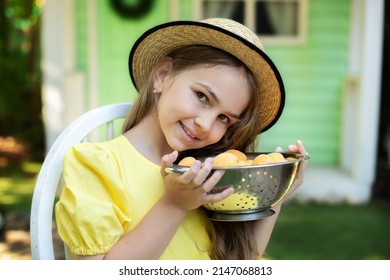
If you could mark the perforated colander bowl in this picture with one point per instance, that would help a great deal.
(256, 188)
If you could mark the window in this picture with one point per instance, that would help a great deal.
(276, 21)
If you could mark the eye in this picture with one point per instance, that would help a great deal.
(224, 118)
(202, 97)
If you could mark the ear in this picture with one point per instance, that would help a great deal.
(161, 74)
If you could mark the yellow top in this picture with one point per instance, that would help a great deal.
(109, 187)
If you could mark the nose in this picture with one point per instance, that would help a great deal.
(205, 122)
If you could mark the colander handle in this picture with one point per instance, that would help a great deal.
(176, 169)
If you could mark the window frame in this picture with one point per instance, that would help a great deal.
(250, 15)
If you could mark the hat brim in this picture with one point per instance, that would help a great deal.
(157, 42)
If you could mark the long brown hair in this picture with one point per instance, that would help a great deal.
(229, 240)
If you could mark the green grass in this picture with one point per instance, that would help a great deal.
(17, 186)
(303, 231)
(332, 232)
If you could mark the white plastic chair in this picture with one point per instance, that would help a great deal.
(50, 175)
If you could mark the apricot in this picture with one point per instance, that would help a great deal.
(187, 161)
(241, 162)
(240, 155)
(277, 157)
(262, 159)
(237, 158)
(225, 159)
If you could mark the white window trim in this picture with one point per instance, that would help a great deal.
(352, 181)
(249, 21)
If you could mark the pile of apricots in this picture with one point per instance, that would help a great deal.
(237, 158)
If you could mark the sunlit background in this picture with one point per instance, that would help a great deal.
(59, 59)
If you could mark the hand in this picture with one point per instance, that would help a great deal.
(298, 148)
(190, 190)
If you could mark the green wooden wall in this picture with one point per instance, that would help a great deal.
(313, 73)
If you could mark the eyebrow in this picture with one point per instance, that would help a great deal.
(215, 97)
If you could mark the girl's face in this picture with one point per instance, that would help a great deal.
(197, 106)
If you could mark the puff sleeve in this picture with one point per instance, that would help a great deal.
(93, 211)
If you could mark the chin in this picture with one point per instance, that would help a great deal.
(177, 146)
(180, 147)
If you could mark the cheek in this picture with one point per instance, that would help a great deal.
(217, 133)
(177, 100)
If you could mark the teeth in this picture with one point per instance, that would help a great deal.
(186, 131)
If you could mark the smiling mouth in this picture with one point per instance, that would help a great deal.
(187, 132)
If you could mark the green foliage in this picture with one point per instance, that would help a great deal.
(20, 75)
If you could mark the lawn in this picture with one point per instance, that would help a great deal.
(332, 232)
(17, 186)
(303, 232)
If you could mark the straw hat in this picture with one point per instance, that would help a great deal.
(224, 34)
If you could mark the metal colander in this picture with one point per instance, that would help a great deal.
(256, 188)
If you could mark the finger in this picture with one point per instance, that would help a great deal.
(167, 160)
(292, 148)
(216, 197)
(302, 167)
(204, 172)
(301, 148)
(191, 173)
(211, 181)
(297, 148)
(278, 149)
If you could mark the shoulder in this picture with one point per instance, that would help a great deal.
(95, 154)
(113, 146)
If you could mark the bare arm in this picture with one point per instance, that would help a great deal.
(152, 235)
(264, 228)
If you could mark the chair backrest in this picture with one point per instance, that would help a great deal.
(50, 175)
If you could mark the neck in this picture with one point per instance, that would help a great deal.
(148, 139)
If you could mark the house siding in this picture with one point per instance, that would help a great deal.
(116, 36)
(314, 75)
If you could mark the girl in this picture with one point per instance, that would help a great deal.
(204, 87)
